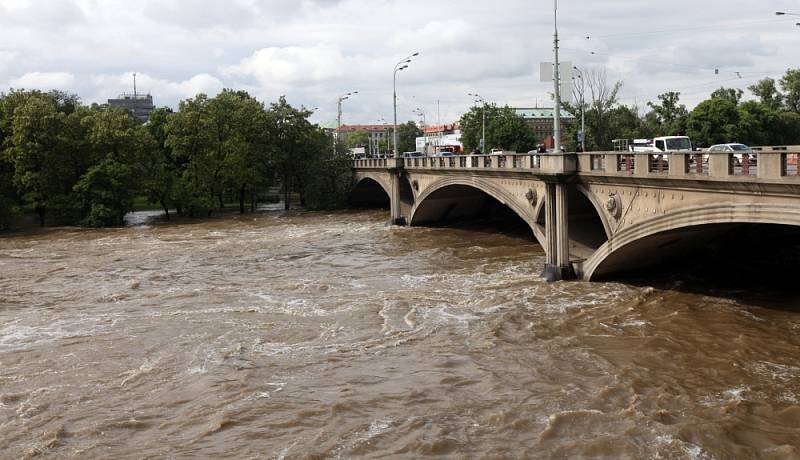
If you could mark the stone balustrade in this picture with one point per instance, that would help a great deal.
(770, 165)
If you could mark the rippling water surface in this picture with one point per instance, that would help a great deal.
(335, 336)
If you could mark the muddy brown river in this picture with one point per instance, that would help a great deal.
(332, 335)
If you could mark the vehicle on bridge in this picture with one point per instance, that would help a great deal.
(738, 151)
(655, 145)
(412, 154)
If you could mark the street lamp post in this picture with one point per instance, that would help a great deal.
(403, 64)
(420, 113)
(480, 99)
(556, 79)
(784, 13)
(583, 110)
(341, 98)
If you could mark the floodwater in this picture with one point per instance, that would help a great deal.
(313, 335)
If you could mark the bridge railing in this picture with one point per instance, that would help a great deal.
(764, 164)
(508, 162)
(773, 164)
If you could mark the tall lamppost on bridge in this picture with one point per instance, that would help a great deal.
(402, 65)
(784, 13)
(557, 80)
(419, 112)
(480, 99)
(583, 109)
(342, 97)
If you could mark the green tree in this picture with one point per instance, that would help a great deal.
(790, 83)
(714, 121)
(108, 187)
(668, 117)
(245, 147)
(407, 134)
(36, 144)
(625, 123)
(327, 178)
(160, 168)
(289, 129)
(730, 94)
(504, 129)
(766, 91)
(190, 138)
(356, 139)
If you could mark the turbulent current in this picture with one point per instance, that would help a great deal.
(314, 335)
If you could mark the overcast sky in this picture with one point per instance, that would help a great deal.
(314, 50)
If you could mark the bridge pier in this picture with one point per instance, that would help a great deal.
(396, 175)
(557, 264)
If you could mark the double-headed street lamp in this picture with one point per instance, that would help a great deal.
(480, 99)
(342, 97)
(402, 65)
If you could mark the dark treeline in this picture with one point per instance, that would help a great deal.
(773, 118)
(73, 164)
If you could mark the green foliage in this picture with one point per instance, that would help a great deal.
(713, 121)
(328, 179)
(407, 134)
(107, 191)
(356, 139)
(729, 94)
(790, 83)
(667, 117)
(504, 129)
(767, 93)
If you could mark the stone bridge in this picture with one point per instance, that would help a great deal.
(597, 213)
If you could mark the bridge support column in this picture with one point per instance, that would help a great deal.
(396, 175)
(557, 265)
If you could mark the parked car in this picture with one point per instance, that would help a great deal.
(738, 150)
(412, 154)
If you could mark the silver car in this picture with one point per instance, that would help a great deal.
(736, 149)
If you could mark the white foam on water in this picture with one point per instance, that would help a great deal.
(147, 367)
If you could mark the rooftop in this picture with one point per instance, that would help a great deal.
(540, 112)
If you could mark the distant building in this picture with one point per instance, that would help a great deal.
(541, 120)
(139, 105)
(377, 135)
(437, 136)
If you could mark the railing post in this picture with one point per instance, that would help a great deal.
(770, 164)
(719, 165)
(641, 165)
(678, 164)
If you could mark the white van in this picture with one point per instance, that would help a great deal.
(672, 144)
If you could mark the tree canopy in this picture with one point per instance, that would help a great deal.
(504, 129)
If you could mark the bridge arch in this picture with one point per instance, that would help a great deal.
(679, 231)
(367, 190)
(447, 196)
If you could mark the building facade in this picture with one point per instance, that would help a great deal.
(379, 136)
(540, 119)
(435, 137)
(139, 105)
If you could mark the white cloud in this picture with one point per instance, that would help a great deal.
(293, 65)
(44, 81)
